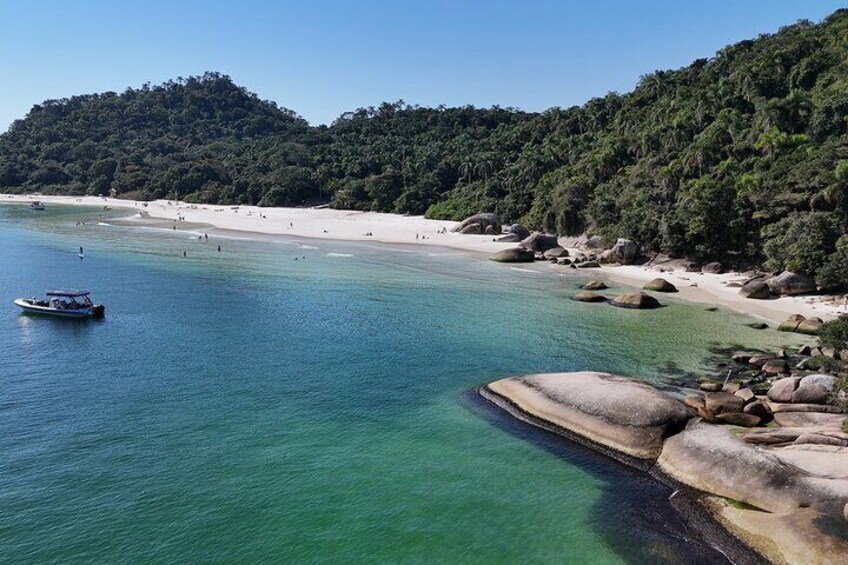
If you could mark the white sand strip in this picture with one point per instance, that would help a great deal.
(349, 225)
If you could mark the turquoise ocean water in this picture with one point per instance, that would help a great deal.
(244, 407)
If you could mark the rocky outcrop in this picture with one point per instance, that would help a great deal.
(660, 285)
(623, 252)
(759, 409)
(827, 381)
(775, 367)
(793, 480)
(789, 284)
(485, 223)
(799, 324)
(519, 231)
(713, 268)
(810, 393)
(712, 459)
(810, 326)
(636, 300)
(514, 255)
(742, 357)
(738, 419)
(622, 414)
(798, 419)
(804, 536)
(540, 242)
(555, 253)
(717, 403)
(783, 389)
(756, 289)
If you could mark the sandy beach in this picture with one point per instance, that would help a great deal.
(713, 289)
(347, 225)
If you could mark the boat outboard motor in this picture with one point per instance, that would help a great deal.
(98, 312)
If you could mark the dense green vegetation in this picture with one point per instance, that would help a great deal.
(741, 158)
(835, 333)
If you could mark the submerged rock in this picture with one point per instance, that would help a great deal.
(595, 285)
(514, 255)
(742, 357)
(616, 412)
(636, 300)
(710, 386)
(586, 296)
(760, 360)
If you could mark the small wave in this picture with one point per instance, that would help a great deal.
(307, 247)
(339, 254)
(103, 224)
(519, 269)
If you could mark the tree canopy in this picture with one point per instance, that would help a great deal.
(742, 157)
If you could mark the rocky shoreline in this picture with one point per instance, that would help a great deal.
(786, 500)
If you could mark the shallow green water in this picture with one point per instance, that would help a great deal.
(242, 406)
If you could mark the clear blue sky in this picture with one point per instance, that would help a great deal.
(321, 58)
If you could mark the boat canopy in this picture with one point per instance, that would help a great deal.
(69, 293)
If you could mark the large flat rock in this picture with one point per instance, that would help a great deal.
(800, 419)
(713, 459)
(815, 408)
(817, 460)
(803, 536)
(616, 412)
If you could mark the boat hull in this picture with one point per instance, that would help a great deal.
(79, 313)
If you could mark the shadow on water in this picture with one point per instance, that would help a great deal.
(649, 528)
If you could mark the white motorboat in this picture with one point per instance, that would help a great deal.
(63, 304)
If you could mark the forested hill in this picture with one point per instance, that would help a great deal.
(742, 157)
